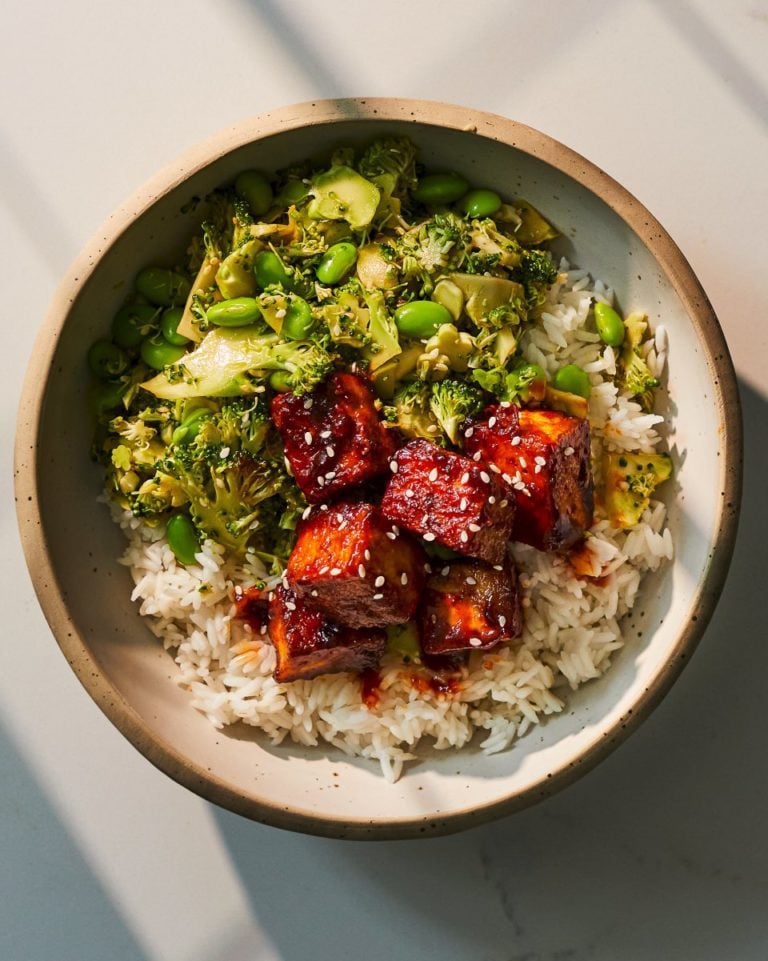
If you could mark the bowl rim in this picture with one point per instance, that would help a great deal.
(528, 140)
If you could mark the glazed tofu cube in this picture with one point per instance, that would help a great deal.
(469, 606)
(448, 498)
(307, 643)
(353, 564)
(333, 438)
(543, 458)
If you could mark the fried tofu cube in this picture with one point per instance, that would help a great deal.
(448, 498)
(307, 643)
(333, 438)
(469, 606)
(351, 563)
(543, 458)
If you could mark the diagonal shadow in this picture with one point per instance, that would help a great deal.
(697, 34)
(662, 848)
(51, 904)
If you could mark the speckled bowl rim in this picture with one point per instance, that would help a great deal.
(530, 141)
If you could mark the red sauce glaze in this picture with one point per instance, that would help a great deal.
(336, 430)
(439, 684)
(369, 688)
(252, 606)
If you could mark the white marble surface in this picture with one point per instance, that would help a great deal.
(661, 854)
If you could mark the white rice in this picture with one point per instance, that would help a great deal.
(572, 624)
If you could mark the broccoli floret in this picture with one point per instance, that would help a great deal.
(538, 272)
(523, 383)
(634, 376)
(410, 411)
(393, 157)
(452, 401)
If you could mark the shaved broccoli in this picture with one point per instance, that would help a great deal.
(634, 375)
(452, 402)
(523, 383)
(410, 411)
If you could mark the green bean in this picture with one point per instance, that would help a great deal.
(336, 263)
(106, 359)
(437, 189)
(183, 539)
(573, 380)
(421, 318)
(480, 203)
(298, 321)
(238, 312)
(106, 396)
(162, 287)
(280, 380)
(189, 428)
(254, 187)
(269, 269)
(132, 324)
(609, 325)
(157, 353)
(168, 324)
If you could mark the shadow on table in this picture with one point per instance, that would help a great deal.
(52, 906)
(662, 848)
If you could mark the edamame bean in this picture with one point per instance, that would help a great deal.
(336, 263)
(237, 312)
(157, 353)
(188, 429)
(298, 321)
(132, 323)
(169, 323)
(437, 189)
(293, 193)
(182, 538)
(269, 269)
(609, 325)
(106, 396)
(421, 318)
(280, 381)
(573, 380)
(480, 203)
(106, 359)
(254, 188)
(162, 287)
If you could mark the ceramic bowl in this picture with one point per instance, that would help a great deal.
(86, 596)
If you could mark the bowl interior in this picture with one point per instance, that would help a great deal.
(121, 663)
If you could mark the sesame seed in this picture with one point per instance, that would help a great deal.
(224, 452)
(474, 528)
(527, 492)
(523, 462)
(396, 529)
(391, 535)
(263, 629)
(502, 620)
(486, 478)
(270, 595)
(308, 437)
(290, 605)
(409, 493)
(367, 554)
(306, 513)
(428, 568)
(464, 537)
(504, 503)
(469, 431)
(324, 434)
(378, 597)
(330, 451)
(465, 477)
(339, 517)
(324, 569)
(380, 581)
(403, 578)
(433, 474)
(360, 570)
(506, 478)
(446, 570)
(491, 499)
(505, 404)
(516, 441)
(475, 642)
(477, 455)
(393, 466)
(463, 504)
(320, 481)
(428, 536)
(323, 507)
(495, 468)
(471, 580)
(537, 469)
(335, 571)
(569, 451)
(498, 567)
(492, 422)
(313, 593)
(541, 461)
(308, 403)
(330, 475)
(425, 520)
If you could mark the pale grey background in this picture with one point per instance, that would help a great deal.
(662, 852)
